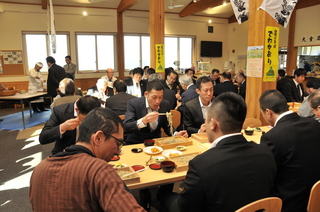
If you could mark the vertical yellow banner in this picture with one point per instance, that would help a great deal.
(159, 58)
(271, 51)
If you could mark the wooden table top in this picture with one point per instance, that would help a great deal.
(151, 177)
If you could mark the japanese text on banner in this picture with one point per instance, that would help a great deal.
(159, 58)
(271, 54)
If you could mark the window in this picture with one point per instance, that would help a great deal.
(95, 52)
(178, 49)
(38, 48)
(137, 51)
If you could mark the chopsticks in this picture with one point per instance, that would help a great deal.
(134, 172)
(162, 114)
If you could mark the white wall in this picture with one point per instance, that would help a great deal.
(18, 18)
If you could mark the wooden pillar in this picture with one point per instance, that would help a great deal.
(156, 28)
(120, 45)
(292, 51)
(258, 20)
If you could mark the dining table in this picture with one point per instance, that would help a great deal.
(150, 177)
(21, 99)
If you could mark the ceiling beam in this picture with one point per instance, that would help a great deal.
(307, 3)
(200, 6)
(44, 4)
(126, 4)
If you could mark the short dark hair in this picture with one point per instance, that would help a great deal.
(68, 75)
(313, 83)
(173, 72)
(68, 56)
(215, 71)
(314, 99)
(201, 80)
(242, 75)
(167, 71)
(273, 100)
(281, 72)
(120, 85)
(87, 103)
(137, 71)
(226, 75)
(151, 71)
(50, 60)
(189, 69)
(144, 68)
(230, 110)
(103, 119)
(299, 72)
(155, 84)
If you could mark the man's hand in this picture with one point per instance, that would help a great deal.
(182, 133)
(178, 97)
(150, 117)
(203, 128)
(70, 124)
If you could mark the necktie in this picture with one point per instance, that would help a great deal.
(299, 92)
(137, 85)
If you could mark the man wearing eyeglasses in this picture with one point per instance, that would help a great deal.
(314, 102)
(80, 178)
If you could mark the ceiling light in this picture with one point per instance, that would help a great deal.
(194, 1)
(224, 3)
(210, 21)
(85, 13)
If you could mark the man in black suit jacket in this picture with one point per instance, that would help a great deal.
(282, 80)
(225, 85)
(55, 75)
(63, 122)
(136, 86)
(194, 112)
(168, 94)
(215, 76)
(118, 102)
(101, 90)
(142, 120)
(241, 80)
(225, 177)
(294, 141)
(171, 81)
(293, 90)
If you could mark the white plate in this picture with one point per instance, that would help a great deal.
(148, 150)
(182, 148)
(166, 153)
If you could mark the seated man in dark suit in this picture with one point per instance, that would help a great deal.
(282, 80)
(64, 121)
(241, 80)
(225, 85)
(171, 82)
(195, 110)
(101, 90)
(225, 177)
(136, 86)
(294, 141)
(215, 76)
(168, 94)
(142, 120)
(293, 90)
(118, 102)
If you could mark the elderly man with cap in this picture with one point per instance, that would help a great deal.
(35, 84)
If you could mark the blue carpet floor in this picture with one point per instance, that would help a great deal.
(14, 121)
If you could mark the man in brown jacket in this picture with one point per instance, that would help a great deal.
(80, 178)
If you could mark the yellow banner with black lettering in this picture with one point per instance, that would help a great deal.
(271, 51)
(159, 58)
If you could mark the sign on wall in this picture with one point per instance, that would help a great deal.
(271, 52)
(159, 58)
(254, 61)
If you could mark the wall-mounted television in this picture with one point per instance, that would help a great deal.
(211, 49)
